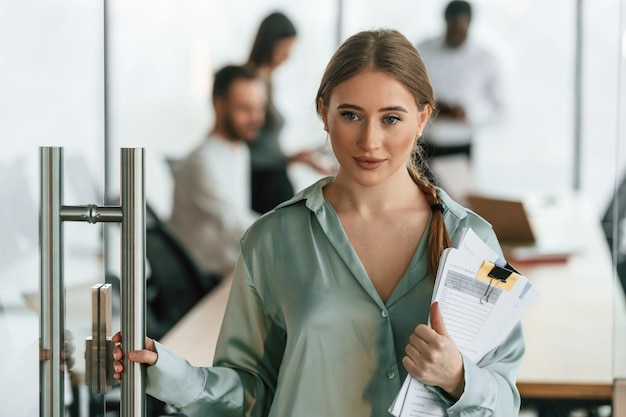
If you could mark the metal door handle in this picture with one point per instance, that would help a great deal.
(98, 347)
(131, 215)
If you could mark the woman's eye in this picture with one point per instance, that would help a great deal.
(350, 116)
(391, 120)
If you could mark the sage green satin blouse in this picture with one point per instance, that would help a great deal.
(306, 334)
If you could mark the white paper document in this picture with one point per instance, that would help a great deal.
(480, 301)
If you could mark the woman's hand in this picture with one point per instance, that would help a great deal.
(433, 358)
(67, 353)
(148, 355)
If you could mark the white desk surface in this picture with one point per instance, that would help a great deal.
(569, 330)
(19, 323)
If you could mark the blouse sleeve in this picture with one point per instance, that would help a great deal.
(243, 378)
(490, 385)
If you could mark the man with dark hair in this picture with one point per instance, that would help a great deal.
(458, 15)
(211, 208)
(466, 81)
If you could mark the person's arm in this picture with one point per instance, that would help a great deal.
(490, 388)
(247, 358)
(313, 159)
(252, 340)
(491, 107)
(173, 380)
(451, 111)
(243, 378)
(195, 391)
(468, 389)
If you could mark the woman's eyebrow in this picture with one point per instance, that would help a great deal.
(383, 109)
(349, 106)
(394, 108)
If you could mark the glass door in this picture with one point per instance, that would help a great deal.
(52, 95)
(93, 80)
(616, 232)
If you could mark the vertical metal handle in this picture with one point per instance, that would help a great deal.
(51, 287)
(133, 299)
(99, 347)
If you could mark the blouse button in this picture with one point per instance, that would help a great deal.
(384, 313)
(391, 374)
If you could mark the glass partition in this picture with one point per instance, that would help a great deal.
(561, 147)
(52, 95)
(553, 150)
(617, 228)
(169, 111)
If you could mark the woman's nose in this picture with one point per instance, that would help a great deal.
(370, 137)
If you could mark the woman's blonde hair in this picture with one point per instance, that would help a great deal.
(391, 52)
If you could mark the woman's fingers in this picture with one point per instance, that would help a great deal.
(148, 355)
(117, 337)
(118, 355)
(143, 356)
(138, 356)
(118, 368)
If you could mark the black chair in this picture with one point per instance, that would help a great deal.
(175, 283)
(614, 224)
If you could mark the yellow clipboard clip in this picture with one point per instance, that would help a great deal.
(496, 276)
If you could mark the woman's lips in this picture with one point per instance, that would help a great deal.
(368, 162)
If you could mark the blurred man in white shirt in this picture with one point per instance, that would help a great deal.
(467, 84)
(466, 80)
(211, 208)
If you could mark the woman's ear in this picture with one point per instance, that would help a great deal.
(422, 119)
(323, 113)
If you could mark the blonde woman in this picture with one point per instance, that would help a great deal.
(331, 295)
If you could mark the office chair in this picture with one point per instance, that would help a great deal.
(175, 283)
(616, 233)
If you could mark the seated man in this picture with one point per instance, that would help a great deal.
(211, 205)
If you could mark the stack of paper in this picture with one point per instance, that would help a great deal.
(481, 299)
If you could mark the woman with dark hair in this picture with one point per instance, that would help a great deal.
(272, 44)
(332, 291)
(270, 180)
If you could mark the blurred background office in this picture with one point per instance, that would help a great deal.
(95, 76)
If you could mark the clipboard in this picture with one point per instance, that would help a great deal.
(492, 274)
(485, 302)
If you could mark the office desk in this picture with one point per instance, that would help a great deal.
(19, 326)
(569, 330)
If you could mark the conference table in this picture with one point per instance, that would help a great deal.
(576, 331)
(571, 330)
(19, 322)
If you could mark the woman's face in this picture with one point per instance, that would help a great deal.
(373, 122)
(281, 52)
